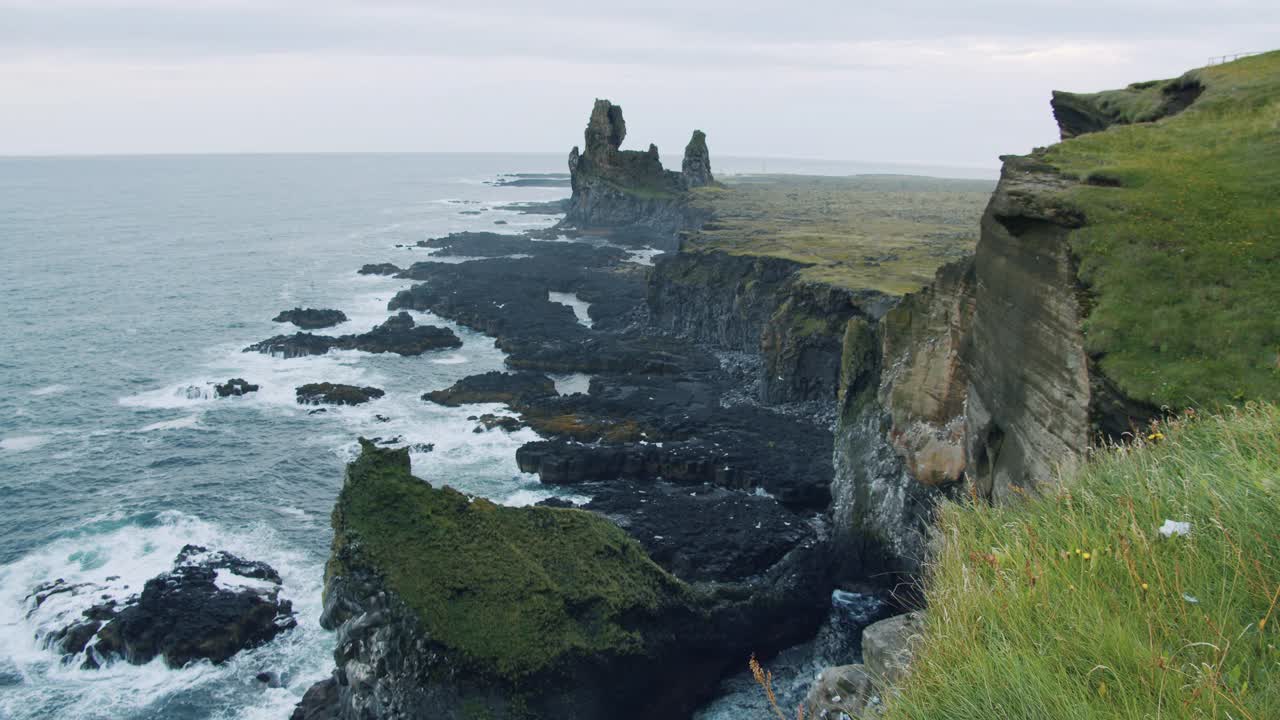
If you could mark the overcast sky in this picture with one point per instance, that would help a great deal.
(913, 81)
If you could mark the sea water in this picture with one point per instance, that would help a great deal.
(128, 285)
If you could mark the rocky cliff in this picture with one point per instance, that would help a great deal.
(629, 189)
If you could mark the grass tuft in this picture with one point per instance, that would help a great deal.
(1074, 606)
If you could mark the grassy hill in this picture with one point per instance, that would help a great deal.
(1074, 606)
(1182, 245)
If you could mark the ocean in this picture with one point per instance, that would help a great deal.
(129, 285)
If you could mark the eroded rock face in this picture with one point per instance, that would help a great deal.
(1028, 407)
(210, 606)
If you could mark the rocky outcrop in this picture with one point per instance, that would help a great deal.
(445, 606)
(311, 318)
(399, 335)
(209, 606)
(615, 188)
(336, 394)
(380, 269)
(234, 387)
(1079, 114)
(515, 389)
(696, 166)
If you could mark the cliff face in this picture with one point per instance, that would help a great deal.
(615, 188)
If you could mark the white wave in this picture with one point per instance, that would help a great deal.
(23, 443)
(454, 359)
(577, 304)
(50, 390)
(116, 558)
(186, 423)
(570, 383)
(643, 256)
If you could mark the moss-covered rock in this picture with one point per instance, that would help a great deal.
(513, 591)
(448, 606)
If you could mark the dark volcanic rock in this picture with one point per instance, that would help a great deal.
(336, 394)
(183, 615)
(495, 387)
(380, 269)
(399, 334)
(479, 244)
(311, 318)
(234, 387)
(489, 421)
(293, 346)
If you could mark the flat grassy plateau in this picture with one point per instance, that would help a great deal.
(877, 232)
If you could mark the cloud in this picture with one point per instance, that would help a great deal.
(910, 80)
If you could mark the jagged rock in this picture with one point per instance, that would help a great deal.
(514, 389)
(311, 318)
(696, 167)
(380, 269)
(399, 334)
(209, 606)
(320, 702)
(234, 388)
(625, 188)
(336, 394)
(857, 691)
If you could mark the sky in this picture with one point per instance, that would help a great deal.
(933, 82)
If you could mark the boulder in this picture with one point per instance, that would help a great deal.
(888, 645)
(845, 691)
(336, 394)
(311, 318)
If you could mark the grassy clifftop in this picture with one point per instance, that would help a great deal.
(514, 591)
(877, 232)
(1074, 605)
(1182, 243)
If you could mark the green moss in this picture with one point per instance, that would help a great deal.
(514, 591)
(1183, 258)
(877, 232)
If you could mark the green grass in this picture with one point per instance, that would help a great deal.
(1184, 258)
(1023, 626)
(514, 591)
(878, 232)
